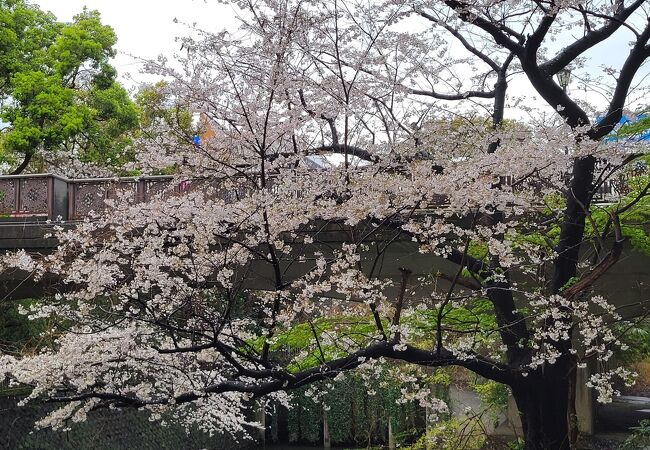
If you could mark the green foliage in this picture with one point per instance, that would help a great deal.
(638, 237)
(570, 282)
(492, 394)
(640, 438)
(309, 344)
(477, 250)
(634, 128)
(300, 340)
(160, 112)
(108, 135)
(17, 332)
(354, 416)
(59, 90)
(24, 30)
(634, 220)
(158, 106)
(441, 377)
(475, 314)
(554, 202)
(305, 419)
(519, 444)
(452, 434)
(637, 338)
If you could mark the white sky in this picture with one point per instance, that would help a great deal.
(146, 28)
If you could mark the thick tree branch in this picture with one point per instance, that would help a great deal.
(459, 96)
(23, 165)
(500, 37)
(589, 40)
(612, 257)
(637, 56)
(343, 149)
(279, 380)
(534, 41)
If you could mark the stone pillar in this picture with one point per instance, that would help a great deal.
(260, 417)
(327, 442)
(391, 438)
(514, 420)
(585, 404)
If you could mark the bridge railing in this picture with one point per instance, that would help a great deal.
(48, 196)
(40, 196)
(86, 195)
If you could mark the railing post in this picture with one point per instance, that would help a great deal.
(260, 412)
(17, 184)
(58, 205)
(141, 191)
(50, 199)
(72, 195)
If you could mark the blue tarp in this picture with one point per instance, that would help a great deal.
(643, 136)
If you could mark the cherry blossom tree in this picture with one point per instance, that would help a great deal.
(434, 238)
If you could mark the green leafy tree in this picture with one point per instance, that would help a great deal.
(167, 120)
(59, 90)
(161, 111)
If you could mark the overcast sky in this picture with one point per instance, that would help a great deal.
(145, 28)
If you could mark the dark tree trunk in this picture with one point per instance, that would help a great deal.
(23, 165)
(543, 405)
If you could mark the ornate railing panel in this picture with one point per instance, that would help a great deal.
(127, 190)
(38, 196)
(34, 196)
(158, 188)
(8, 199)
(90, 195)
(86, 198)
